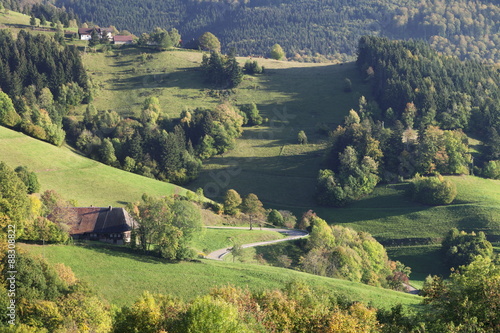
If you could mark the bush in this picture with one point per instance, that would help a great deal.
(251, 113)
(492, 170)
(302, 138)
(460, 248)
(252, 67)
(275, 218)
(432, 191)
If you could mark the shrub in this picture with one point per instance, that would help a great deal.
(460, 248)
(492, 170)
(432, 191)
(252, 67)
(302, 138)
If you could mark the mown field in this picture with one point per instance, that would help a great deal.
(214, 239)
(120, 276)
(77, 177)
(424, 260)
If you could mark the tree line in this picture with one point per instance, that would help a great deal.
(421, 88)
(155, 146)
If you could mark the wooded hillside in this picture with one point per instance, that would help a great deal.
(468, 29)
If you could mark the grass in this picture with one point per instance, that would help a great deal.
(77, 177)
(391, 216)
(424, 260)
(214, 239)
(121, 276)
(17, 21)
(267, 160)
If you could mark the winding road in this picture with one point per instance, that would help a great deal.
(291, 235)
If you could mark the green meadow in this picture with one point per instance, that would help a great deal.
(17, 21)
(121, 276)
(77, 177)
(424, 260)
(214, 239)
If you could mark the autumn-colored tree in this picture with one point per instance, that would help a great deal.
(232, 202)
(469, 298)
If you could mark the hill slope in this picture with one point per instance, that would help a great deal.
(112, 267)
(76, 177)
(390, 216)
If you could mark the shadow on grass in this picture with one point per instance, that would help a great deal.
(124, 252)
(177, 79)
(278, 254)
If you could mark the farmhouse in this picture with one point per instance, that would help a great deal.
(86, 33)
(120, 40)
(111, 225)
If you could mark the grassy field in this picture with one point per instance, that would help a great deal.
(16, 21)
(214, 239)
(121, 276)
(388, 214)
(77, 177)
(424, 260)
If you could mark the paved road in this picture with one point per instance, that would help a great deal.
(291, 234)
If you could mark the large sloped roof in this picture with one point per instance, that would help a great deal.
(102, 220)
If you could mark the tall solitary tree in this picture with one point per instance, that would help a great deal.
(253, 207)
(94, 38)
(209, 42)
(33, 20)
(277, 52)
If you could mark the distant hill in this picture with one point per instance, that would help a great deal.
(468, 29)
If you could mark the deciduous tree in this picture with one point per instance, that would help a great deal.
(253, 207)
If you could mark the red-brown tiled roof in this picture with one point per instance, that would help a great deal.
(123, 38)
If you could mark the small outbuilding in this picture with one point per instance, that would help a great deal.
(111, 225)
(120, 40)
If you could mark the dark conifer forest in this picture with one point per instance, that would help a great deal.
(308, 29)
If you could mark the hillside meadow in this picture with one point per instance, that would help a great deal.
(267, 159)
(17, 21)
(214, 239)
(76, 177)
(388, 214)
(120, 276)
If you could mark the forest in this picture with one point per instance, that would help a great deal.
(427, 104)
(40, 78)
(464, 28)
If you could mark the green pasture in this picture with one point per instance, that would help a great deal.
(77, 177)
(121, 276)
